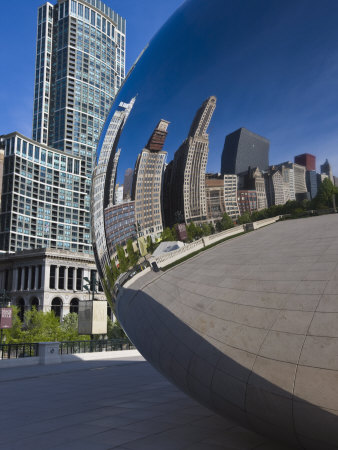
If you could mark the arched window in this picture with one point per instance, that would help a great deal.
(74, 306)
(21, 306)
(35, 303)
(57, 306)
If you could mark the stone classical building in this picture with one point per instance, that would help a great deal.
(187, 172)
(147, 183)
(243, 149)
(48, 279)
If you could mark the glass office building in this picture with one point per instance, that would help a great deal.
(80, 65)
(45, 198)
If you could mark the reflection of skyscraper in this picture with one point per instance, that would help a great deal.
(306, 160)
(147, 183)
(253, 179)
(326, 170)
(274, 185)
(187, 184)
(243, 149)
(103, 180)
(127, 184)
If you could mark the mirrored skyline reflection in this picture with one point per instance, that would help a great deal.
(271, 65)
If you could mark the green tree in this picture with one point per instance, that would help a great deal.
(168, 234)
(123, 260)
(244, 218)
(192, 231)
(325, 194)
(132, 255)
(69, 329)
(226, 222)
(114, 330)
(206, 228)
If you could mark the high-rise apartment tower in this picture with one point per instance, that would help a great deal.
(80, 65)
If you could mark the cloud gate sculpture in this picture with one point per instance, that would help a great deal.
(249, 327)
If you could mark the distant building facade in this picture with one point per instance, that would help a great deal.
(274, 185)
(325, 169)
(127, 184)
(253, 179)
(187, 172)
(244, 149)
(230, 196)
(214, 190)
(294, 176)
(247, 201)
(120, 225)
(307, 160)
(312, 183)
(147, 184)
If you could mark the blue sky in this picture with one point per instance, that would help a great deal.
(272, 64)
(17, 50)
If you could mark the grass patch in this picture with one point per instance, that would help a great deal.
(191, 255)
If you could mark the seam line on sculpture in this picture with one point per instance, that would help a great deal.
(296, 371)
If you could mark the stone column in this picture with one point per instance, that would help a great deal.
(57, 277)
(45, 276)
(23, 276)
(74, 278)
(15, 279)
(29, 278)
(66, 278)
(36, 281)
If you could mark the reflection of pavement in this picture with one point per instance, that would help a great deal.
(122, 404)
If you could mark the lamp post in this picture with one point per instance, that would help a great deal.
(91, 288)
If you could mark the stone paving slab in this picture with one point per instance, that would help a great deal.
(110, 404)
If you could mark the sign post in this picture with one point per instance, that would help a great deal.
(6, 313)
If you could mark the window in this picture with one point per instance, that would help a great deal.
(57, 306)
(86, 13)
(73, 6)
(37, 154)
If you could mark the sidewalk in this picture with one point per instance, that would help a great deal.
(109, 404)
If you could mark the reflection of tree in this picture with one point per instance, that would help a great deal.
(179, 217)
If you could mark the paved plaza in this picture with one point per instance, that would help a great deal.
(249, 328)
(109, 404)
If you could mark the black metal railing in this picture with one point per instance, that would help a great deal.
(107, 345)
(22, 350)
